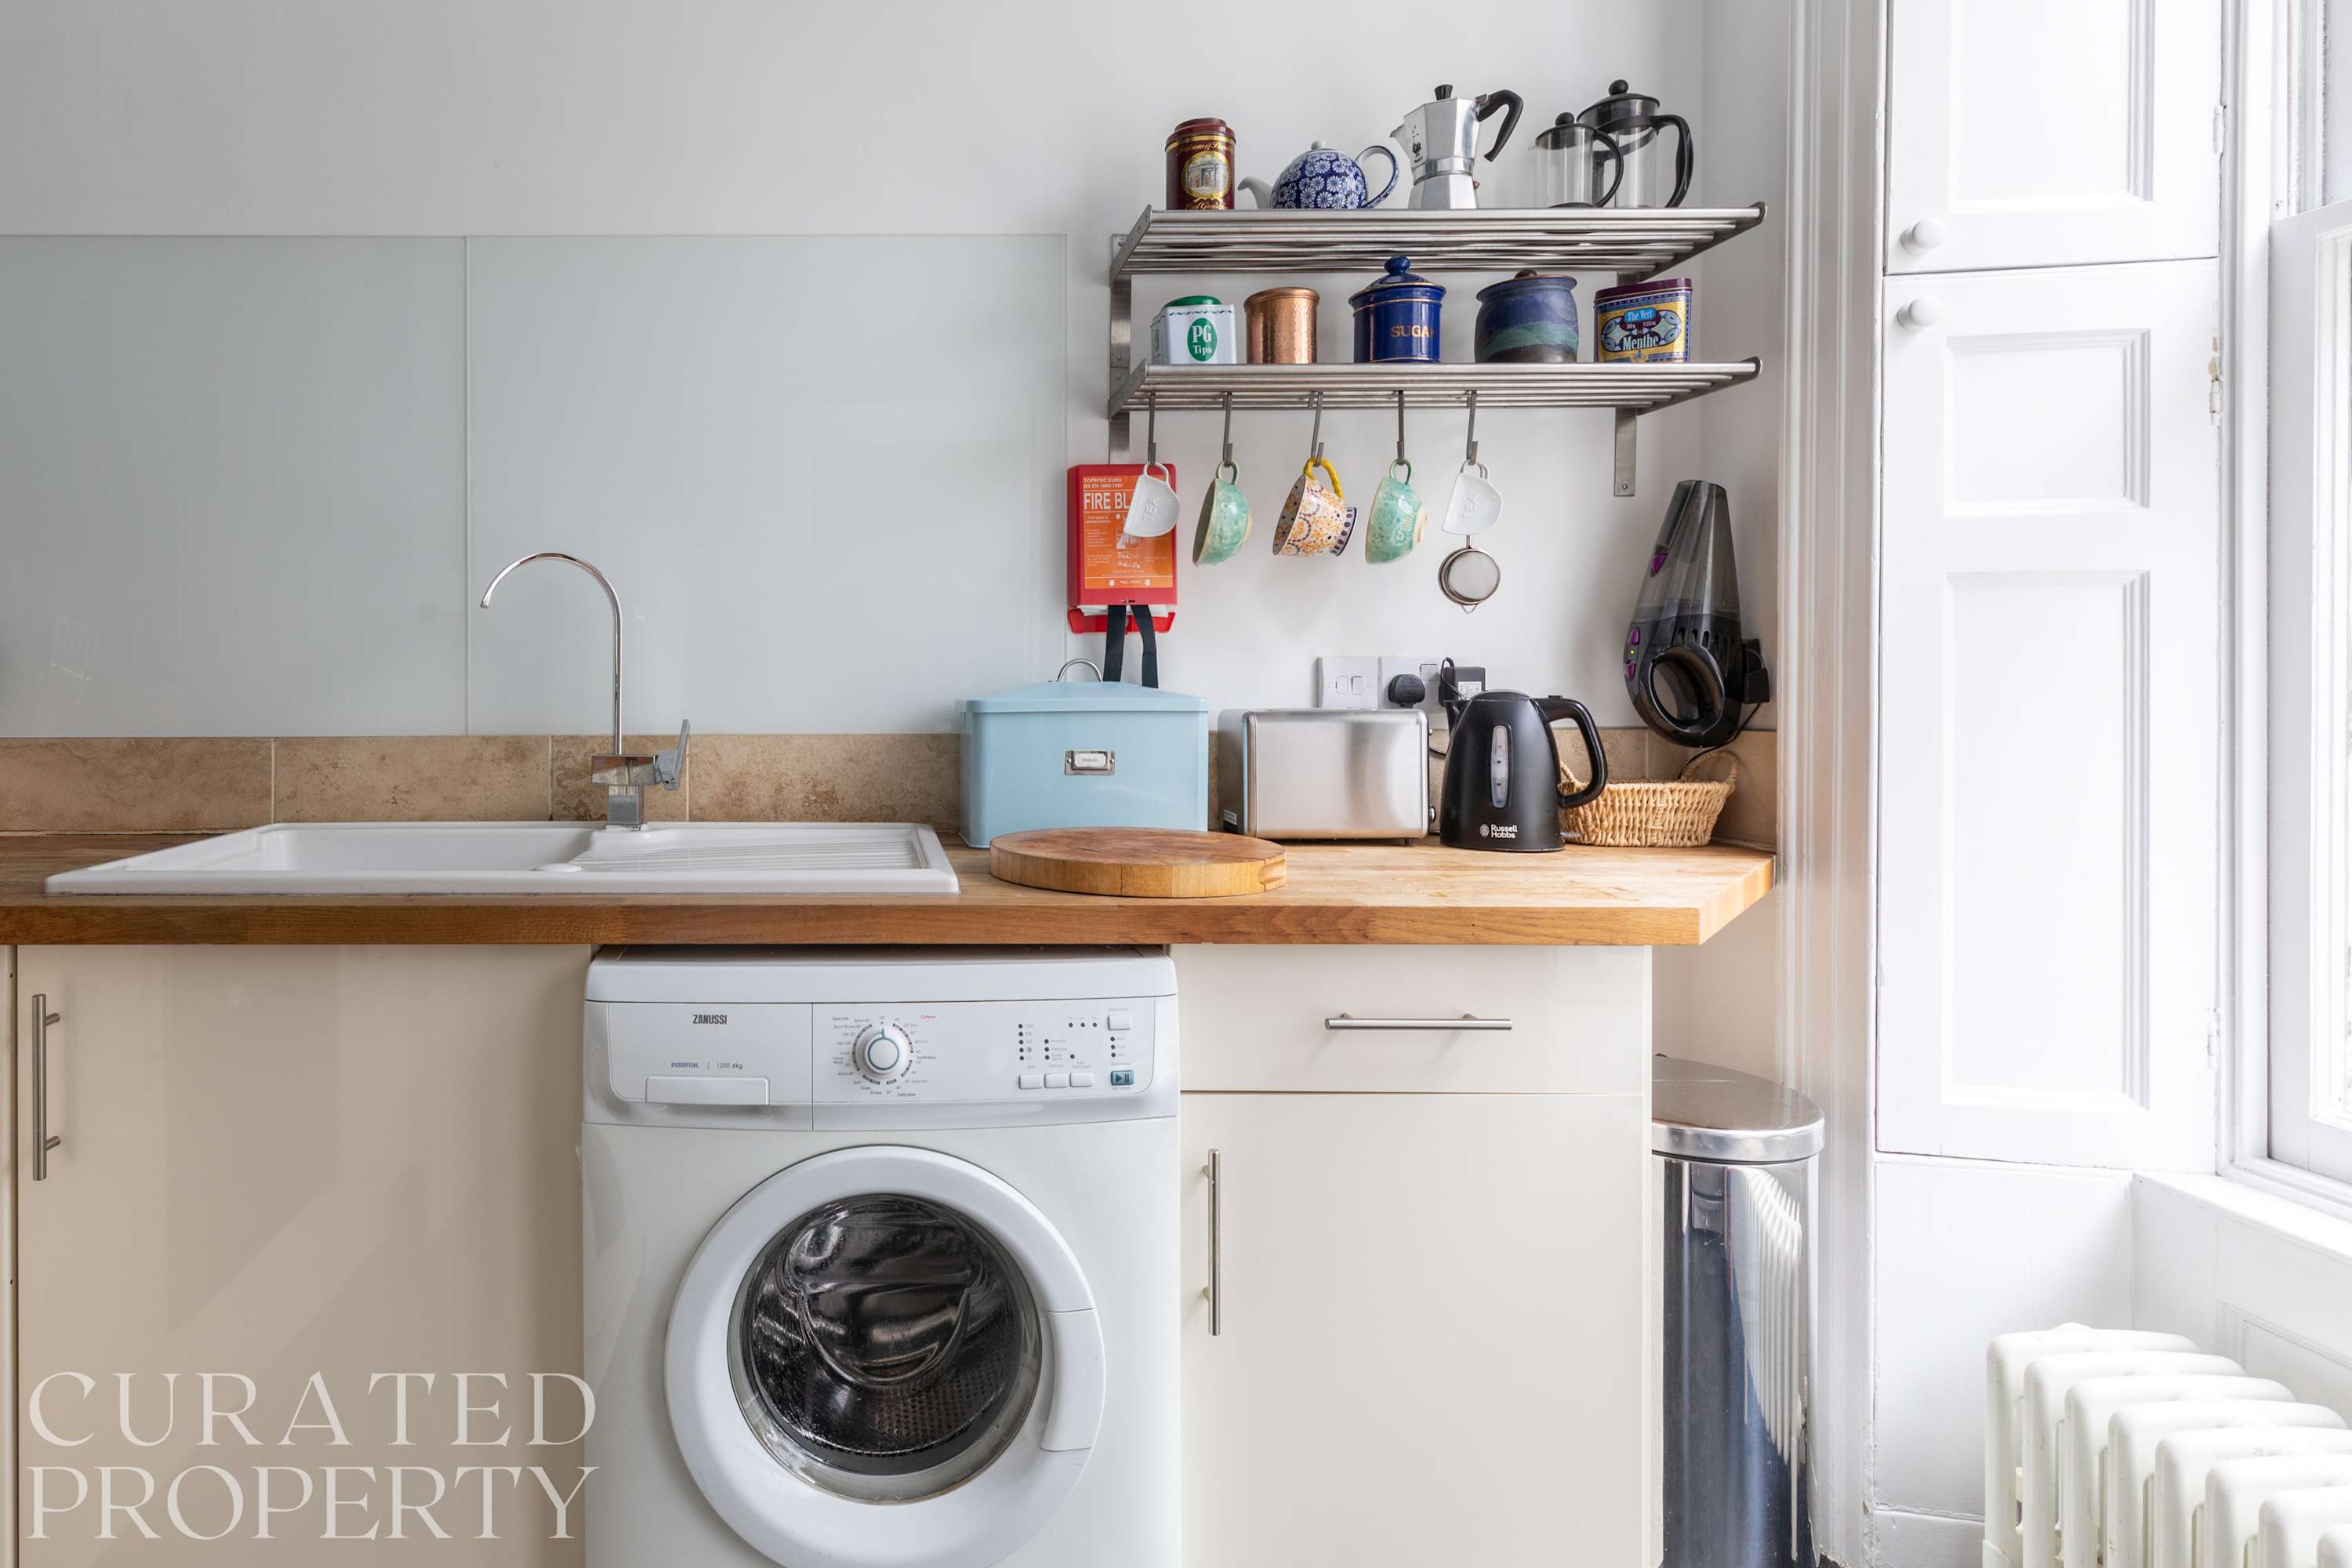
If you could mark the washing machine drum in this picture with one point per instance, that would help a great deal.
(886, 1338)
(885, 1356)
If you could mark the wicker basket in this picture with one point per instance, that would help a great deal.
(1670, 814)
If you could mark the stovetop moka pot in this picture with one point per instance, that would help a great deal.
(1502, 771)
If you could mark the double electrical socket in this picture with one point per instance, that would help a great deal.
(1348, 681)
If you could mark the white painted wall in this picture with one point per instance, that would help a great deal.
(2247, 1275)
(1967, 1249)
(230, 117)
(1715, 1003)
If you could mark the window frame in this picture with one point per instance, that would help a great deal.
(2275, 83)
(2310, 696)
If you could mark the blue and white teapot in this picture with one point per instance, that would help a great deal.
(1325, 177)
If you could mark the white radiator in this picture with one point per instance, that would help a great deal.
(2006, 1360)
(2086, 1468)
(2182, 1523)
(2048, 1382)
(2239, 1490)
(2121, 1449)
(2134, 1436)
(2295, 1522)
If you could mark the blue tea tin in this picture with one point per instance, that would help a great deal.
(1396, 316)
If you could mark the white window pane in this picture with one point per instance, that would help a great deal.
(2311, 716)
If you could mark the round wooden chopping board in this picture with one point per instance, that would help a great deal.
(1138, 862)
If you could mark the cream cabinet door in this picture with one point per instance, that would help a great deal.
(277, 1162)
(2021, 134)
(2049, 717)
(1431, 1335)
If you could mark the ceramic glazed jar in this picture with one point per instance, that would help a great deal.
(1528, 319)
(1396, 316)
(1200, 166)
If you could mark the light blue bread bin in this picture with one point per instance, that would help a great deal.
(1083, 754)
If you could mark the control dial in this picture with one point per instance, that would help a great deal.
(882, 1052)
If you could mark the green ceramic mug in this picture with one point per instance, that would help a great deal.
(1397, 517)
(1225, 518)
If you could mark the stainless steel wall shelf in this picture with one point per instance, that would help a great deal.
(1634, 388)
(1637, 242)
(1633, 244)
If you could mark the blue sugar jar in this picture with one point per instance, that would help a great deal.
(1396, 316)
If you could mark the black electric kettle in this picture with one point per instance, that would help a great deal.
(1502, 771)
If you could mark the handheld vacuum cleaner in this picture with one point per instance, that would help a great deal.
(1687, 669)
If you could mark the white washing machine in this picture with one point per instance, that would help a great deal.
(881, 1257)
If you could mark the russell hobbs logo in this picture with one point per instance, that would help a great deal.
(1499, 829)
(711, 1017)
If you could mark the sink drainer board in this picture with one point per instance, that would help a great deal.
(537, 857)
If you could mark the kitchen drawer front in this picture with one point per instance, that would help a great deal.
(1254, 1018)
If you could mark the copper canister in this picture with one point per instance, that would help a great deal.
(1278, 326)
(1201, 165)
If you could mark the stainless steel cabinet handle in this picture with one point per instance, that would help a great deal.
(42, 1140)
(1468, 1021)
(1216, 1290)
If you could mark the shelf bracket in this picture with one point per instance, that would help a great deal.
(1623, 445)
(1122, 347)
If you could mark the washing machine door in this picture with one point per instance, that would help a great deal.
(884, 1358)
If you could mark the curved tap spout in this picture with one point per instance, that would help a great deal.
(602, 581)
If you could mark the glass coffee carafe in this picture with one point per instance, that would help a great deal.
(1577, 165)
(1632, 123)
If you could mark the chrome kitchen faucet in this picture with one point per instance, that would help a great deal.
(624, 776)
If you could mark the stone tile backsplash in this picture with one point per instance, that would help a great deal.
(411, 778)
(202, 783)
(169, 785)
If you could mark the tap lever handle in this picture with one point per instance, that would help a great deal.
(670, 766)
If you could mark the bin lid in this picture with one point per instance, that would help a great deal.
(1085, 697)
(1701, 1112)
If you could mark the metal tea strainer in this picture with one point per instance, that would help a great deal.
(1469, 576)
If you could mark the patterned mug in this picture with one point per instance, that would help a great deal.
(1315, 520)
(1224, 524)
(1398, 519)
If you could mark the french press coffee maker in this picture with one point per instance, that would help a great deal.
(1635, 137)
(1577, 165)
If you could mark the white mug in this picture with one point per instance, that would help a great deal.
(1475, 505)
(1151, 511)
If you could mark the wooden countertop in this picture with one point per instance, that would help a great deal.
(1337, 893)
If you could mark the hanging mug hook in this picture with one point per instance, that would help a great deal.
(1315, 440)
(1400, 457)
(1225, 458)
(1152, 431)
(1470, 440)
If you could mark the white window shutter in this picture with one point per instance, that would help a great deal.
(2029, 134)
(2050, 716)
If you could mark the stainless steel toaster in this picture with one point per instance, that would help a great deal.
(1324, 772)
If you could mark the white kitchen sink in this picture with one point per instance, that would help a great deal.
(537, 857)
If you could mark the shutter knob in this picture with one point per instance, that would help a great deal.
(1924, 236)
(1923, 312)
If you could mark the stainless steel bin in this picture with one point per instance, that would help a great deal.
(1736, 1176)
